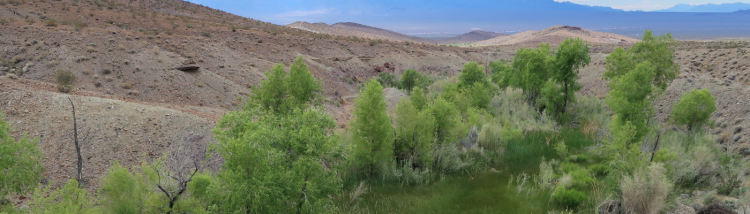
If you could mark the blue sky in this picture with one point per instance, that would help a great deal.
(647, 5)
(451, 16)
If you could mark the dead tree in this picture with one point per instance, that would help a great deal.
(78, 145)
(174, 173)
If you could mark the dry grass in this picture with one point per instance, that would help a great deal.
(646, 192)
(126, 85)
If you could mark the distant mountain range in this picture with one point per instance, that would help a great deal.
(471, 37)
(708, 8)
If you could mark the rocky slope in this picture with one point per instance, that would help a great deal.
(350, 29)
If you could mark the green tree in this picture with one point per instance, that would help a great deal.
(20, 162)
(121, 192)
(658, 50)
(529, 71)
(412, 78)
(479, 95)
(571, 56)
(282, 92)
(371, 128)
(628, 98)
(67, 200)
(389, 80)
(694, 109)
(418, 99)
(499, 70)
(472, 73)
(446, 119)
(415, 135)
(275, 163)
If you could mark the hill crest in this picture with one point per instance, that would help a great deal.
(556, 34)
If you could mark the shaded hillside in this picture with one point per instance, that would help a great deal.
(349, 29)
(474, 36)
(557, 34)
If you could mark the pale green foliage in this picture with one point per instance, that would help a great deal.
(68, 200)
(198, 187)
(121, 192)
(472, 73)
(491, 136)
(282, 92)
(570, 57)
(658, 50)
(554, 98)
(415, 135)
(628, 98)
(646, 191)
(371, 128)
(697, 164)
(274, 163)
(513, 112)
(623, 156)
(20, 162)
(694, 109)
(418, 99)
(561, 149)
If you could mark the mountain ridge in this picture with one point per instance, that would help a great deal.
(708, 8)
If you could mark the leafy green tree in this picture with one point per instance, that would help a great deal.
(275, 163)
(282, 92)
(413, 78)
(302, 85)
(499, 70)
(418, 99)
(628, 98)
(472, 73)
(20, 162)
(530, 71)
(694, 109)
(446, 119)
(415, 135)
(389, 80)
(121, 192)
(658, 50)
(371, 128)
(479, 95)
(571, 56)
(67, 200)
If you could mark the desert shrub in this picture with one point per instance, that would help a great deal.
(491, 136)
(126, 85)
(389, 80)
(568, 199)
(51, 23)
(65, 80)
(698, 164)
(63, 200)
(646, 191)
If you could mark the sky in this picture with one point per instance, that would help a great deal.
(447, 16)
(647, 5)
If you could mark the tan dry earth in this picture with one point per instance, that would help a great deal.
(557, 34)
(350, 29)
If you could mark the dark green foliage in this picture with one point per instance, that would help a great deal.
(599, 170)
(389, 80)
(413, 78)
(569, 199)
(530, 71)
(20, 162)
(571, 56)
(371, 128)
(694, 109)
(658, 50)
(282, 92)
(479, 95)
(499, 70)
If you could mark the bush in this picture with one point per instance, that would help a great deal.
(389, 80)
(126, 85)
(51, 23)
(646, 191)
(568, 199)
(65, 80)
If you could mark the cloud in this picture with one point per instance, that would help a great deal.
(306, 13)
(644, 5)
(475, 28)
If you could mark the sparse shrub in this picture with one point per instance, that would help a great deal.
(12, 76)
(206, 34)
(52, 63)
(388, 80)
(51, 23)
(126, 85)
(17, 58)
(646, 191)
(65, 80)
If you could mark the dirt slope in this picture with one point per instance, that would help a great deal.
(471, 37)
(556, 34)
(350, 29)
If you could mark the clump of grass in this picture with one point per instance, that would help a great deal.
(51, 23)
(126, 85)
(65, 80)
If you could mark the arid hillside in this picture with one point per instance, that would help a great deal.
(471, 37)
(350, 29)
(557, 34)
(130, 96)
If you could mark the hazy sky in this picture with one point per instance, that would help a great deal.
(648, 5)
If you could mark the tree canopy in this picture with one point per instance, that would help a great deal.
(282, 92)
(20, 162)
(694, 109)
(371, 128)
(658, 50)
(628, 98)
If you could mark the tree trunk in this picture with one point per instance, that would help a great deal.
(656, 144)
(78, 146)
(565, 104)
(303, 197)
